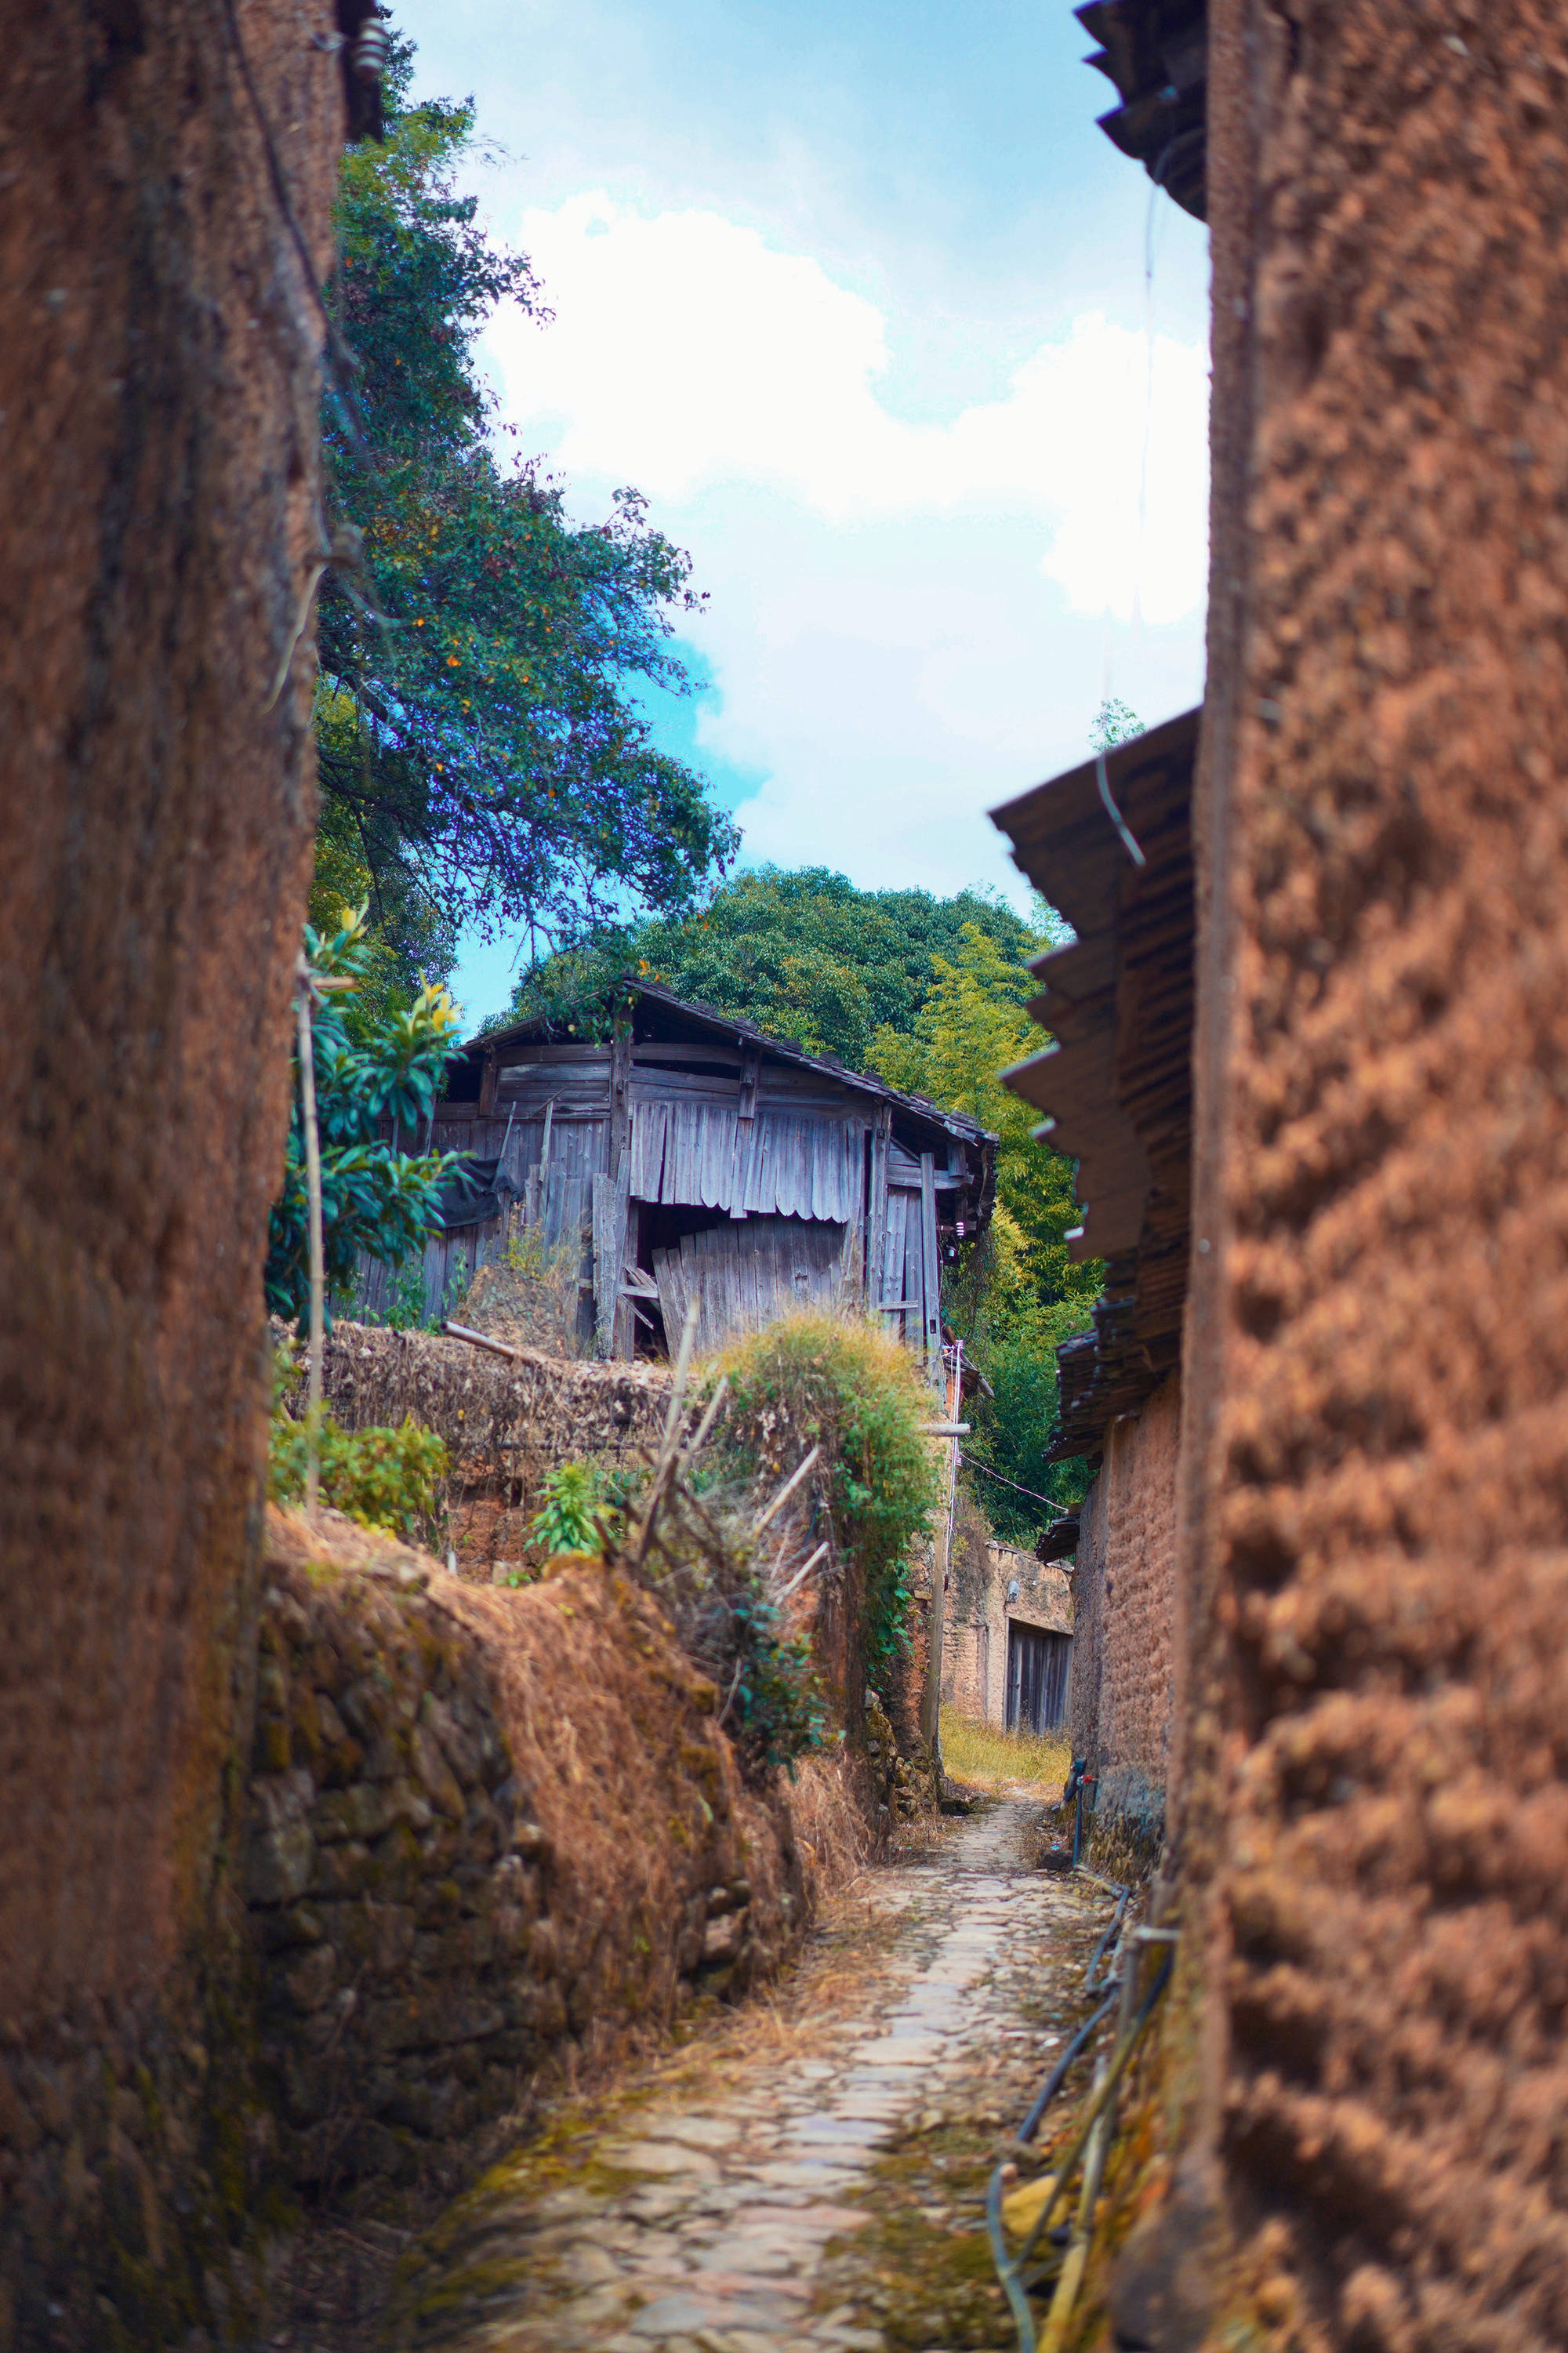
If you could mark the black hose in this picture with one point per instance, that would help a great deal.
(1055, 2080)
(1090, 1975)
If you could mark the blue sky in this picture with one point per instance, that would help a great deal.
(859, 304)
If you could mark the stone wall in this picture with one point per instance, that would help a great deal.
(1121, 1706)
(996, 1585)
(487, 1833)
(506, 1423)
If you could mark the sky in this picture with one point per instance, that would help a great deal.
(903, 353)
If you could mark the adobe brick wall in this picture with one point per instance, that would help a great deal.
(1374, 1817)
(1121, 1696)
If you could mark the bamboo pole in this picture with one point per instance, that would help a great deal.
(304, 999)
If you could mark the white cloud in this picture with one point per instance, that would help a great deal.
(687, 355)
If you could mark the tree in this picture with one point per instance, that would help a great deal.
(483, 751)
(375, 1197)
(805, 956)
(1016, 1294)
(1114, 722)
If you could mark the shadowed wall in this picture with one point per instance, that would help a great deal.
(1373, 1819)
(159, 384)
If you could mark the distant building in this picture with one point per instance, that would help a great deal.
(1009, 1645)
(1117, 1088)
(694, 1158)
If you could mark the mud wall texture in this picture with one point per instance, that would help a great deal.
(1120, 1704)
(1375, 1817)
(160, 385)
(487, 1833)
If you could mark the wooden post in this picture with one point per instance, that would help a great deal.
(856, 1286)
(876, 1210)
(620, 1129)
(489, 1079)
(931, 1700)
(931, 1269)
(610, 1204)
(625, 1311)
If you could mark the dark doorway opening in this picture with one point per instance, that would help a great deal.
(1037, 1678)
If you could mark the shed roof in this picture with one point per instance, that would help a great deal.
(1156, 54)
(1116, 1084)
(659, 1011)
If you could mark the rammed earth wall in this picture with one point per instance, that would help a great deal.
(1373, 1823)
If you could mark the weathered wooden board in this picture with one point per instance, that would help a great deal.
(931, 1271)
(741, 1276)
(706, 1156)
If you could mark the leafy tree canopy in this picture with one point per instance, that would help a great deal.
(1016, 1293)
(805, 956)
(483, 757)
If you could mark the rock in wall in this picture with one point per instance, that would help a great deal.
(487, 1833)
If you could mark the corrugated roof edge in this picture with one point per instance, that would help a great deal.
(789, 1049)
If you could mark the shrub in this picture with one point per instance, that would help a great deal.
(383, 1478)
(817, 1379)
(572, 1516)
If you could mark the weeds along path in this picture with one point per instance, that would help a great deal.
(807, 2177)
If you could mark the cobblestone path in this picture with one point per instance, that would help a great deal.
(809, 2180)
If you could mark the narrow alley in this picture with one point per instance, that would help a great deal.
(807, 2174)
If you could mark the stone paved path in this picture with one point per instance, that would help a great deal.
(815, 2192)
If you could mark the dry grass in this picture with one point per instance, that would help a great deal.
(529, 1296)
(982, 1757)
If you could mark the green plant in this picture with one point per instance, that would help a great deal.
(777, 1702)
(805, 954)
(383, 1478)
(375, 1198)
(1114, 722)
(572, 1516)
(834, 1382)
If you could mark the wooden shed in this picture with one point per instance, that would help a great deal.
(694, 1157)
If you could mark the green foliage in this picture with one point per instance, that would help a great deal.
(970, 1027)
(572, 1516)
(805, 956)
(778, 1706)
(812, 1379)
(383, 1478)
(1015, 1294)
(1114, 722)
(375, 1198)
(481, 746)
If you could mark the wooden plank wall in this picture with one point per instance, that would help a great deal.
(828, 1204)
(741, 1276)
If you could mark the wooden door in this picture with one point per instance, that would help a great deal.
(1037, 1678)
